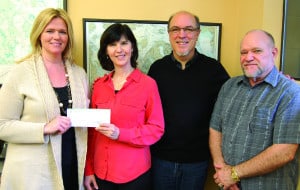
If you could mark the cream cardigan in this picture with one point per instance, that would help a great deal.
(28, 101)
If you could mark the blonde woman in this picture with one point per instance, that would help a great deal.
(44, 151)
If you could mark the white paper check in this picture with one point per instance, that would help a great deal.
(88, 117)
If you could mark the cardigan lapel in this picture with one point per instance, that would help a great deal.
(51, 107)
(79, 89)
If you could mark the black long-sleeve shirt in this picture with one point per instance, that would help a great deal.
(188, 98)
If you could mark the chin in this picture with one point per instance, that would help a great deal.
(252, 75)
(182, 54)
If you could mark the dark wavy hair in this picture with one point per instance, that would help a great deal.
(112, 34)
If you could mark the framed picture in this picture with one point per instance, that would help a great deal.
(152, 38)
(16, 21)
(290, 46)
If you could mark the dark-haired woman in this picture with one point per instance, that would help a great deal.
(118, 152)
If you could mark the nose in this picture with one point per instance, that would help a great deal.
(118, 47)
(56, 34)
(248, 56)
(182, 32)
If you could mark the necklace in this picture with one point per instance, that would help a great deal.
(70, 101)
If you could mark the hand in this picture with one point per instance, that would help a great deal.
(223, 178)
(109, 130)
(218, 167)
(90, 182)
(288, 76)
(58, 125)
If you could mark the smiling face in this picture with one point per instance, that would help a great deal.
(183, 35)
(257, 55)
(120, 52)
(54, 38)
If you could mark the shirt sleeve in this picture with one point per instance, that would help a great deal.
(287, 121)
(215, 122)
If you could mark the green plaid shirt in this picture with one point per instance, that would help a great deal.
(253, 118)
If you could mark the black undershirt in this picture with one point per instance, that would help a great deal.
(68, 148)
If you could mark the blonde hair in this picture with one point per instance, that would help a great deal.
(40, 23)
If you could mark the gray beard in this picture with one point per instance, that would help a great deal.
(255, 75)
(182, 54)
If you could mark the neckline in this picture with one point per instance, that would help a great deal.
(70, 101)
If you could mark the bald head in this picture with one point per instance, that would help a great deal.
(261, 34)
(186, 13)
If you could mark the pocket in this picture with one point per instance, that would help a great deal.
(102, 103)
(261, 126)
(135, 103)
(261, 120)
(133, 109)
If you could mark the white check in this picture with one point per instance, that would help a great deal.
(88, 117)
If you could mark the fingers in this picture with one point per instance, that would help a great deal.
(222, 177)
(115, 134)
(63, 124)
(109, 130)
(95, 184)
(58, 125)
(105, 130)
(90, 182)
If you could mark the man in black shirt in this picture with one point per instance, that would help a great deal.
(188, 83)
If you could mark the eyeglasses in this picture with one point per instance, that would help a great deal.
(188, 30)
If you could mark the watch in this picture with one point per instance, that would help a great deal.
(234, 175)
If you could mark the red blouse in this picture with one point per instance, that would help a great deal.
(136, 109)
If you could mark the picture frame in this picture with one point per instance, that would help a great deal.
(152, 38)
(18, 19)
(290, 47)
(16, 23)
